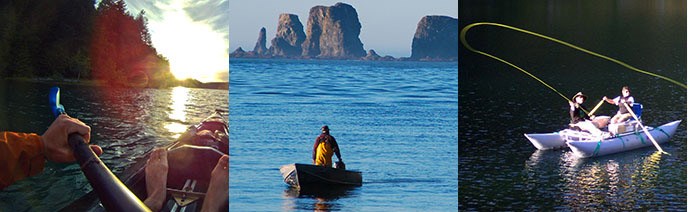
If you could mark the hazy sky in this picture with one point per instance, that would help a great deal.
(386, 26)
(192, 34)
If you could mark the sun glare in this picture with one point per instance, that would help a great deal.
(180, 97)
(193, 48)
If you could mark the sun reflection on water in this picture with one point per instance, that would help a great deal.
(180, 97)
(609, 183)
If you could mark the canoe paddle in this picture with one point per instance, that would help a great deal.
(644, 129)
(113, 194)
(595, 108)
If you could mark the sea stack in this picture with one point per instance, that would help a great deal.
(260, 48)
(436, 38)
(289, 37)
(332, 32)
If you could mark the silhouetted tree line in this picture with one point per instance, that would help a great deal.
(72, 39)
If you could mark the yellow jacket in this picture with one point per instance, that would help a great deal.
(323, 149)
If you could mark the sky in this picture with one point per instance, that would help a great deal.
(192, 34)
(386, 26)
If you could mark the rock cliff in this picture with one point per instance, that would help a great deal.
(332, 32)
(260, 48)
(436, 38)
(289, 37)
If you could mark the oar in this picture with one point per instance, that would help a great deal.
(113, 194)
(644, 129)
(595, 108)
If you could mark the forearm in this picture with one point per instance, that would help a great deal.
(22, 156)
(336, 148)
(339, 155)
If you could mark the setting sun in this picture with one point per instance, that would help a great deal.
(193, 48)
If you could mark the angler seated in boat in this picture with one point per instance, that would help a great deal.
(623, 121)
(581, 121)
(623, 114)
(630, 125)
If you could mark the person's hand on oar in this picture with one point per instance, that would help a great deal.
(24, 154)
(56, 148)
(67, 136)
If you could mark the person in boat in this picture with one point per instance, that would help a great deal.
(623, 114)
(579, 118)
(577, 110)
(156, 173)
(25, 154)
(323, 149)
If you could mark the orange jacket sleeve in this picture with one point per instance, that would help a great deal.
(21, 156)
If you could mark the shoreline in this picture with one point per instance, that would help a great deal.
(384, 59)
(335, 59)
(99, 83)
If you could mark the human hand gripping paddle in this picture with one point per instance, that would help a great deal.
(113, 194)
(644, 129)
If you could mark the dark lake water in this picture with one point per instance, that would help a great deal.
(126, 123)
(394, 121)
(498, 167)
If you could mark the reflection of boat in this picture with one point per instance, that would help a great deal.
(190, 161)
(618, 180)
(622, 142)
(542, 158)
(303, 175)
(326, 193)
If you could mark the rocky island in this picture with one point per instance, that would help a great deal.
(332, 32)
(436, 38)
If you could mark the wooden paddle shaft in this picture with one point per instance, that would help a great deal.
(630, 110)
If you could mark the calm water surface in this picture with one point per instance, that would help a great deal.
(126, 123)
(499, 168)
(394, 121)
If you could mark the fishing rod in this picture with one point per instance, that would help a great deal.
(470, 48)
(113, 194)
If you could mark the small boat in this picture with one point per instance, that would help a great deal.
(302, 175)
(622, 142)
(191, 158)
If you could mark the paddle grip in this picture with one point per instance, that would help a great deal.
(113, 194)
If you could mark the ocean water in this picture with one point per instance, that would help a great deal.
(396, 122)
(126, 123)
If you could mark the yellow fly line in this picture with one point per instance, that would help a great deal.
(463, 41)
